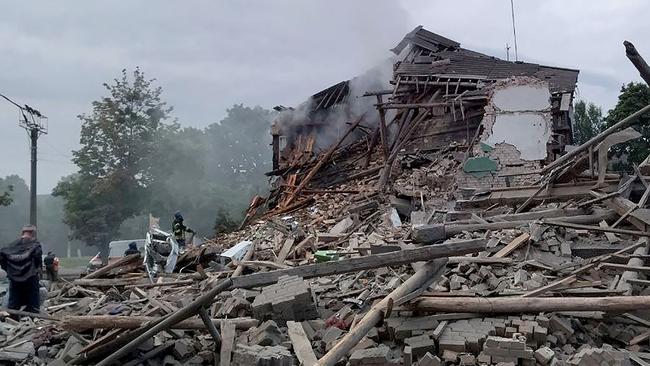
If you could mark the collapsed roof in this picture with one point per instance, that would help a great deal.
(445, 90)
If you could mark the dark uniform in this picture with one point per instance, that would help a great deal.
(50, 266)
(133, 249)
(179, 229)
(22, 260)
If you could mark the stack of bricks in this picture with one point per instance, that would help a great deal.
(534, 328)
(500, 349)
(604, 356)
(267, 334)
(468, 335)
(402, 328)
(261, 356)
(377, 356)
(289, 299)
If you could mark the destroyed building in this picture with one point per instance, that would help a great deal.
(434, 219)
(513, 116)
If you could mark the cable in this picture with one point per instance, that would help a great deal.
(11, 101)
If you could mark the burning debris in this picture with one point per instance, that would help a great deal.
(447, 225)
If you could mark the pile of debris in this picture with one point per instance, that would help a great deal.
(466, 243)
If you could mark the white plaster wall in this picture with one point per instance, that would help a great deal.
(528, 132)
(529, 97)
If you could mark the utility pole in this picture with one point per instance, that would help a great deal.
(35, 124)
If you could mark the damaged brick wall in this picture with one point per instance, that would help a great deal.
(517, 127)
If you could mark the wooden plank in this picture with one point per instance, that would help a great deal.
(110, 282)
(595, 228)
(227, 342)
(406, 256)
(550, 287)
(284, 252)
(636, 281)
(640, 338)
(626, 267)
(301, 345)
(514, 244)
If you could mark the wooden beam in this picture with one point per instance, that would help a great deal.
(84, 322)
(435, 232)
(596, 228)
(638, 61)
(227, 344)
(625, 267)
(551, 287)
(514, 244)
(505, 305)
(110, 282)
(405, 256)
(284, 252)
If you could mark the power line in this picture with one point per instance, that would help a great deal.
(33, 122)
(11, 101)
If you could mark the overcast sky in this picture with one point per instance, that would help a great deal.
(208, 55)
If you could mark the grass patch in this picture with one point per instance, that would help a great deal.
(74, 262)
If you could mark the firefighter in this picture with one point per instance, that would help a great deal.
(179, 229)
(133, 249)
(22, 260)
(51, 266)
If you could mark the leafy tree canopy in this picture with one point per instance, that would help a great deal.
(117, 158)
(588, 121)
(633, 97)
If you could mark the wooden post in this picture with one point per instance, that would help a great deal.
(505, 305)
(382, 127)
(375, 314)
(638, 61)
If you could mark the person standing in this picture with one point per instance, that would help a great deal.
(179, 229)
(22, 260)
(51, 266)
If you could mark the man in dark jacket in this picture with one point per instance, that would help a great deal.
(22, 260)
(179, 229)
(133, 249)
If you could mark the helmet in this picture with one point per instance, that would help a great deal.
(178, 215)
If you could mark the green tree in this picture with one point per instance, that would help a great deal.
(633, 97)
(116, 160)
(588, 122)
(5, 198)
